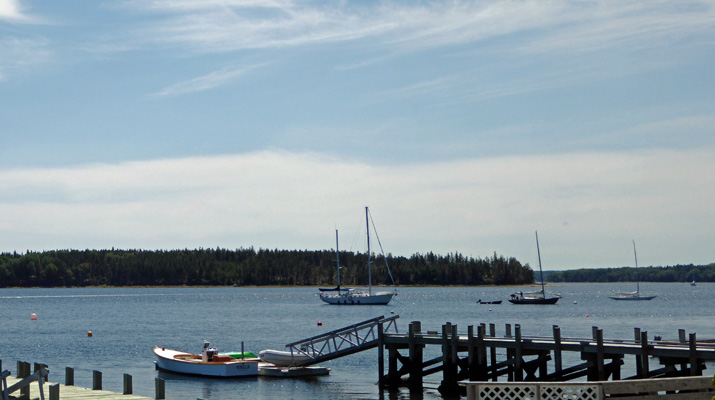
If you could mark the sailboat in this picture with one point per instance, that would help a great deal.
(337, 289)
(637, 294)
(350, 296)
(534, 297)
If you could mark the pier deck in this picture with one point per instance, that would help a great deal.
(518, 358)
(74, 392)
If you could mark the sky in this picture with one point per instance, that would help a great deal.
(465, 126)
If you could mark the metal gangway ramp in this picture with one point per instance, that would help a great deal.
(342, 342)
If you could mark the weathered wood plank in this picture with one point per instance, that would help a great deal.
(77, 393)
(657, 385)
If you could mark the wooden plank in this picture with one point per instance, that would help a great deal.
(670, 396)
(657, 385)
(78, 393)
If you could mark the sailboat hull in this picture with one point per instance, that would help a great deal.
(549, 300)
(634, 298)
(355, 299)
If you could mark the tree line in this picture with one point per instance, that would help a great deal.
(676, 273)
(249, 267)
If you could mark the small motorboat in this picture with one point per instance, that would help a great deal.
(208, 363)
(284, 358)
(480, 301)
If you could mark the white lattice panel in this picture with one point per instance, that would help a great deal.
(570, 392)
(507, 392)
(538, 392)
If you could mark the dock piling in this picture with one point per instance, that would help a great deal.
(159, 385)
(69, 376)
(127, 384)
(96, 380)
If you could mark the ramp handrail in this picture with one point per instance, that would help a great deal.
(38, 376)
(341, 342)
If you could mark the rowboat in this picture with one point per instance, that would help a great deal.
(208, 363)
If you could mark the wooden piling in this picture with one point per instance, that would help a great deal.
(694, 364)
(639, 363)
(481, 353)
(96, 380)
(69, 376)
(518, 354)
(127, 384)
(380, 356)
(471, 357)
(159, 386)
(493, 352)
(55, 391)
(23, 371)
(645, 369)
(415, 368)
(558, 363)
(601, 373)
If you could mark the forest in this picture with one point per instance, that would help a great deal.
(676, 273)
(249, 267)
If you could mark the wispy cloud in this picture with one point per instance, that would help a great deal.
(18, 54)
(205, 82)
(556, 25)
(289, 200)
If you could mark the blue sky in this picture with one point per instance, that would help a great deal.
(464, 125)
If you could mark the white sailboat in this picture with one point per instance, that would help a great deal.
(637, 294)
(351, 296)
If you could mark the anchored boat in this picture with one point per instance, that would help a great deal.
(208, 363)
(634, 296)
(539, 297)
(349, 296)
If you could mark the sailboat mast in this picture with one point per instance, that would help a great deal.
(337, 259)
(638, 286)
(369, 272)
(538, 252)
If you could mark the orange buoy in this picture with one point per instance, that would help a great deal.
(33, 317)
(89, 333)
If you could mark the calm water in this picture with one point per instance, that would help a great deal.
(127, 323)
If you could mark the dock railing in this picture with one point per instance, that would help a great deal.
(39, 376)
(341, 342)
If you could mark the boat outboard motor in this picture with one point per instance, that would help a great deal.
(208, 352)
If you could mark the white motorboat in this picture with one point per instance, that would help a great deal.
(283, 358)
(208, 363)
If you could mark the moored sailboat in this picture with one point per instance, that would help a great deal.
(538, 297)
(350, 296)
(637, 294)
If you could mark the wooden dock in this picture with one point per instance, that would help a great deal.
(73, 392)
(25, 382)
(474, 356)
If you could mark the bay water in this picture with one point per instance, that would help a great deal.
(126, 323)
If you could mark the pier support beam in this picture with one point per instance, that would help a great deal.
(415, 367)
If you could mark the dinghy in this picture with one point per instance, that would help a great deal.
(283, 358)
